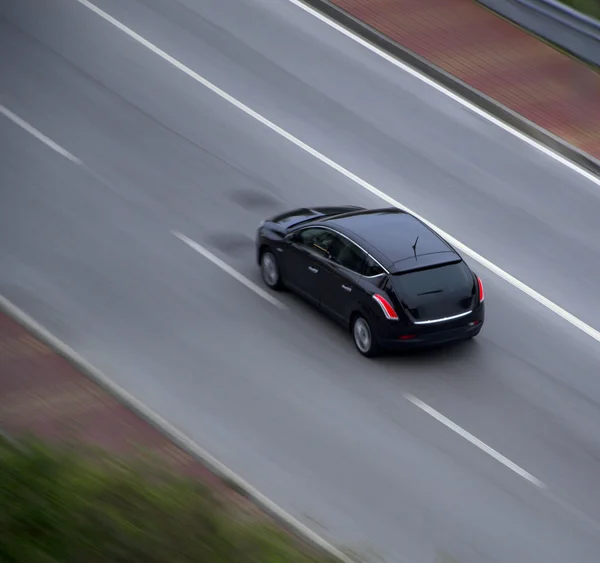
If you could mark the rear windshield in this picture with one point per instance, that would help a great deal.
(449, 279)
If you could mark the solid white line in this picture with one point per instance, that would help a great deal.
(168, 429)
(38, 134)
(475, 441)
(229, 270)
(587, 329)
(447, 92)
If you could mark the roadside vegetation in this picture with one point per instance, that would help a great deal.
(589, 7)
(68, 505)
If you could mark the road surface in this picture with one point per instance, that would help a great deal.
(143, 149)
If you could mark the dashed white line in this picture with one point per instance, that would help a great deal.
(447, 92)
(229, 270)
(192, 244)
(542, 487)
(475, 441)
(38, 134)
(570, 318)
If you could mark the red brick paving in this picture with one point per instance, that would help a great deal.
(497, 58)
(42, 394)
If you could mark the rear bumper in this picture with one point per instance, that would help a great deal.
(409, 337)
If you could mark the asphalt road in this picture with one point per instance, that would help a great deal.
(280, 395)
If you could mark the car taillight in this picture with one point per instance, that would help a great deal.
(387, 309)
(480, 284)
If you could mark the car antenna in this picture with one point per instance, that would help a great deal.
(414, 247)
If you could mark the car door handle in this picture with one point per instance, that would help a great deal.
(346, 287)
(313, 270)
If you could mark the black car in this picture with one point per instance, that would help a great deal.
(381, 273)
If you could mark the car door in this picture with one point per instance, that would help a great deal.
(339, 287)
(303, 259)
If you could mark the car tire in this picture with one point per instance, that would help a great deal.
(269, 269)
(364, 339)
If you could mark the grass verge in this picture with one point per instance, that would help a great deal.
(588, 7)
(63, 504)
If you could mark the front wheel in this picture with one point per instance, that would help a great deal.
(269, 268)
(364, 340)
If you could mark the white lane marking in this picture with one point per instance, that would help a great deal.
(475, 441)
(447, 92)
(229, 270)
(544, 489)
(587, 329)
(168, 429)
(38, 134)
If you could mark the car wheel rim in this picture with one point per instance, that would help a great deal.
(362, 335)
(269, 268)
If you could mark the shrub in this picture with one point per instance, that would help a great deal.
(59, 505)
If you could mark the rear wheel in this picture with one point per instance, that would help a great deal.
(269, 268)
(364, 339)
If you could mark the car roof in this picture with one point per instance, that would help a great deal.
(389, 235)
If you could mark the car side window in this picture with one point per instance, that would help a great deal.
(351, 257)
(372, 268)
(321, 241)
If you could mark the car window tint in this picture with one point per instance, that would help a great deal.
(322, 241)
(306, 236)
(371, 268)
(351, 257)
(448, 278)
(437, 292)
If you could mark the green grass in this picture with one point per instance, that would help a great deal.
(62, 505)
(589, 7)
